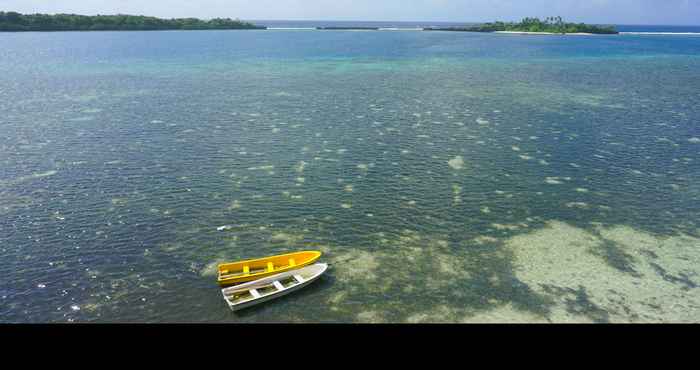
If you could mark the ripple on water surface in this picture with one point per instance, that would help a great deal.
(441, 188)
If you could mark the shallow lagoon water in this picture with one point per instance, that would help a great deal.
(447, 177)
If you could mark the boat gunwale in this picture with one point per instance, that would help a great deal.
(230, 279)
(318, 253)
(277, 277)
(322, 268)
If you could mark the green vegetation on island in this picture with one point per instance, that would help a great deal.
(12, 21)
(549, 25)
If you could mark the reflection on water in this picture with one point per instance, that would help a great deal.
(444, 182)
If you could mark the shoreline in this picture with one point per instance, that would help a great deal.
(544, 33)
(386, 29)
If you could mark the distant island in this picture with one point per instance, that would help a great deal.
(16, 22)
(551, 25)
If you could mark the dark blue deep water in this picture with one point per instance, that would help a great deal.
(447, 177)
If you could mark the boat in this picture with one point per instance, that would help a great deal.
(249, 270)
(248, 294)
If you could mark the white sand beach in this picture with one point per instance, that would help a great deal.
(543, 33)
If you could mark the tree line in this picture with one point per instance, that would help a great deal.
(13, 21)
(550, 24)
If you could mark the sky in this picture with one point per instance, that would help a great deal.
(666, 12)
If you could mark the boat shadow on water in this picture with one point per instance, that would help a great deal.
(323, 283)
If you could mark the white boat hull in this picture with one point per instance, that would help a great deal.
(307, 275)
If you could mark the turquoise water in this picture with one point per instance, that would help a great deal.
(448, 177)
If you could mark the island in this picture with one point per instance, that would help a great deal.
(16, 22)
(551, 25)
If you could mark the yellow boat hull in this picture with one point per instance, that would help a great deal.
(249, 270)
